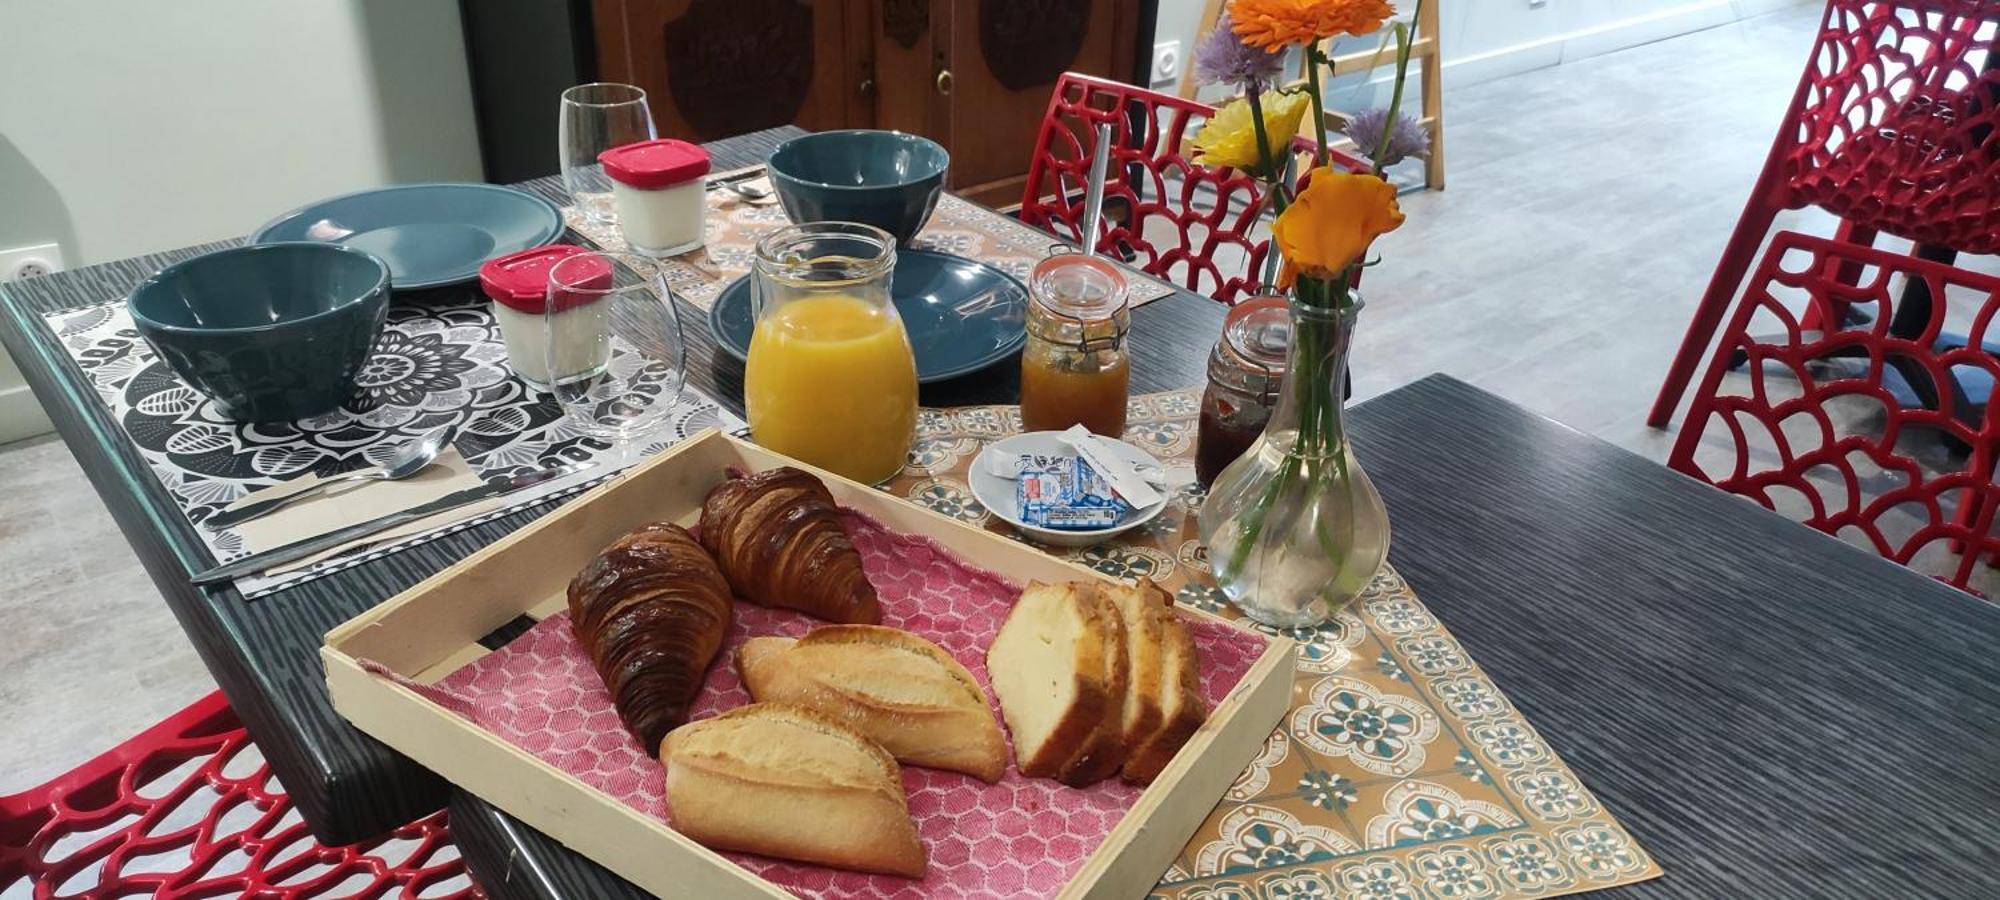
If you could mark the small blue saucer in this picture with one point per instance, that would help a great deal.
(961, 315)
(429, 234)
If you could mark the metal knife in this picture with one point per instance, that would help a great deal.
(258, 562)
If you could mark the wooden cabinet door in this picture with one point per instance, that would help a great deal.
(908, 40)
(716, 68)
(1004, 57)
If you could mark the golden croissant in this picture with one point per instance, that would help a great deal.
(652, 610)
(777, 537)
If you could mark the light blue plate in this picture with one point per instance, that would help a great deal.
(962, 315)
(429, 234)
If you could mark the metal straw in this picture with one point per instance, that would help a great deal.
(1093, 198)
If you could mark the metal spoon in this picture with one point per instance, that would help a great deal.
(408, 460)
(749, 191)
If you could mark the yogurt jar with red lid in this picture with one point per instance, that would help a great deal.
(518, 285)
(657, 188)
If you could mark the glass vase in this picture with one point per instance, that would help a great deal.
(1294, 528)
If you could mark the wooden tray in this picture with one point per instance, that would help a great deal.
(433, 629)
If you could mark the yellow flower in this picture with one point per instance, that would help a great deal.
(1230, 136)
(1274, 24)
(1331, 223)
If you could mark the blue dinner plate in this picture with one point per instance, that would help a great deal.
(429, 234)
(962, 315)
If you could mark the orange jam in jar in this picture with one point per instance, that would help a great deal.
(1073, 369)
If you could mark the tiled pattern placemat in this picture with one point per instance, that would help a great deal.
(959, 227)
(1402, 771)
(433, 365)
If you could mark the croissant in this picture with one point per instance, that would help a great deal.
(652, 610)
(777, 537)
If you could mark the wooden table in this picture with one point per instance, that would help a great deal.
(1771, 712)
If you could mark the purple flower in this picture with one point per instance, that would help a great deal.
(1408, 139)
(1222, 58)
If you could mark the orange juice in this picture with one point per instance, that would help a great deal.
(831, 381)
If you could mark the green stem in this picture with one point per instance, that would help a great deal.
(1314, 58)
(1396, 96)
(1269, 169)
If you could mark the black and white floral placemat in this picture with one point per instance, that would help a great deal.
(434, 365)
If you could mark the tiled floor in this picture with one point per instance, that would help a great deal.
(1586, 206)
(89, 653)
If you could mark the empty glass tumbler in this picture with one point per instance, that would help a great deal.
(616, 357)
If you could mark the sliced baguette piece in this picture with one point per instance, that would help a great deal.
(784, 781)
(1182, 706)
(900, 690)
(1048, 671)
(1142, 607)
(1104, 752)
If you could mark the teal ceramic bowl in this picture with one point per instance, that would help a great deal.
(272, 332)
(887, 179)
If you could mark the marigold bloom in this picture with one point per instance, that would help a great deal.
(1276, 24)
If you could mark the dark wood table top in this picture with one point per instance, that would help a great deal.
(265, 653)
(1771, 712)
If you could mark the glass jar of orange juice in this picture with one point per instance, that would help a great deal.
(1073, 368)
(830, 379)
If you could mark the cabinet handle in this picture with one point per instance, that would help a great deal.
(867, 87)
(944, 82)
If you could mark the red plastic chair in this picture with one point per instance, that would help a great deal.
(1152, 179)
(1773, 432)
(188, 808)
(1895, 128)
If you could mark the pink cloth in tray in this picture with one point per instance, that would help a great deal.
(1022, 836)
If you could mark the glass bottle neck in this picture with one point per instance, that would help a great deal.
(1307, 420)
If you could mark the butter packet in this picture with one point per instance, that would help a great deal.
(1065, 494)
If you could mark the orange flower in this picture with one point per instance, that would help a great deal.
(1275, 24)
(1330, 224)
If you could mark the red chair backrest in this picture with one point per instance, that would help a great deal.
(189, 808)
(1896, 123)
(1798, 434)
(1201, 217)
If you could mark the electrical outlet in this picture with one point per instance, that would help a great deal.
(30, 262)
(1166, 61)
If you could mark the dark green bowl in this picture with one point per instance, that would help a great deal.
(887, 179)
(271, 333)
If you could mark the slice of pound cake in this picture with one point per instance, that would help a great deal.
(1050, 671)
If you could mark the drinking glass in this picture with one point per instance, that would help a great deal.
(830, 378)
(595, 118)
(615, 351)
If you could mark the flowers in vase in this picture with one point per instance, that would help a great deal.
(1295, 535)
(1323, 228)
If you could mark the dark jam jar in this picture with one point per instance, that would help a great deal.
(1244, 371)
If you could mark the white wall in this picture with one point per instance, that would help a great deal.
(132, 126)
(1488, 39)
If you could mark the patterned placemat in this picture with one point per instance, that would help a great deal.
(433, 365)
(1401, 772)
(734, 226)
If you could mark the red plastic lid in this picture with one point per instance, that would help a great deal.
(655, 164)
(521, 280)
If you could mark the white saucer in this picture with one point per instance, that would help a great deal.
(997, 494)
